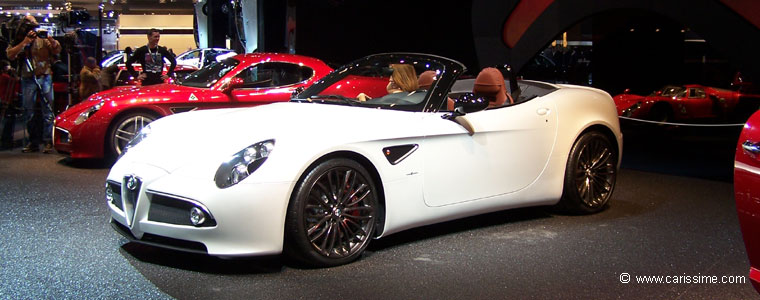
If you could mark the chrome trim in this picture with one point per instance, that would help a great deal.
(181, 109)
(193, 201)
(64, 130)
(127, 193)
(751, 147)
(403, 157)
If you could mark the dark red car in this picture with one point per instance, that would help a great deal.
(747, 193)
(680, 103)
(102, 125)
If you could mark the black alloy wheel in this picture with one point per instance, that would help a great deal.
(590, 174)
(332, 214)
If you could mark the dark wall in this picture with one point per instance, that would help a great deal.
(735, 37)
(339, 31)
(638, 50)
(273, 31)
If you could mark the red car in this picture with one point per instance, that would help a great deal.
(679, 103)
(102, 125)
(747, 193)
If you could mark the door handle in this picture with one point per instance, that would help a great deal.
(751, 147)
(542, 111)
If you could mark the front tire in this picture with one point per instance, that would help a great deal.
(332, 214)
(124, 129)
(590, 174)
(662, 113)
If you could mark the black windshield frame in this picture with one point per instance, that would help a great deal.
(449, 70)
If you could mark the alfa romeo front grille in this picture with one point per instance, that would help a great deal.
(132, 185)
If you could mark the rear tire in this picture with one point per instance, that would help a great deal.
(332, 214)
(590, 174)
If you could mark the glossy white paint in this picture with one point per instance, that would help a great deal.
(515, 158)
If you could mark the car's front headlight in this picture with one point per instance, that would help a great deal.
(243, 163)
(139, 137)
(88, 113)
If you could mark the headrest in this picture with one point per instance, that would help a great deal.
(490, 83)
(426, 79)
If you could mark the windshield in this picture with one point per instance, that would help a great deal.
(670, 91)
(209, 75)
(388, 81)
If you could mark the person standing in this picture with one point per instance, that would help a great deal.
(151, 57)
(35, 53)
(89, 78)
(127, 54)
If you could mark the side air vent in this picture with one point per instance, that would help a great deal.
(396, 154)
(182, 109)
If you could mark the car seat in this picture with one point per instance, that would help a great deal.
(426, 79)
(490, 85)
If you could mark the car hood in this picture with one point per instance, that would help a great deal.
(212, 136)
(95, 99)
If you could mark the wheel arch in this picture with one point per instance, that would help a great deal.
(607, 132)
(567, 202)
(367, 164)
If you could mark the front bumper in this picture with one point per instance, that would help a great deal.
(79, 141)
(246, 219)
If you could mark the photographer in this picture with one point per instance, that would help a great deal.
(35, 52)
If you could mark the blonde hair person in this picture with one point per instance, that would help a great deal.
(403, 79)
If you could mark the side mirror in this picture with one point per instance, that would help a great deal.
(231, 84)
(296, 91)
(627, 91)
(468, 103)
(463, 105)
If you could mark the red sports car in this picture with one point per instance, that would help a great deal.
(680, 103)
(747, 193)
(102, 125)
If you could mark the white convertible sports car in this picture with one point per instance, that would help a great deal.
(318, 177)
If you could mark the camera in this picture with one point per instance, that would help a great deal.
(42, 34)
(17, 28)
